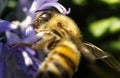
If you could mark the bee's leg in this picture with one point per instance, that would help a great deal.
(48, 38)
(43, 41)
(47, 31)
(42, 30)
(19, 44)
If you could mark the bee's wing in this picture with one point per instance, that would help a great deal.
(104, 56)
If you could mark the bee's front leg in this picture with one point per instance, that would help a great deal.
(48, 38)
(49, 32)
(43, 41)
(46, 31)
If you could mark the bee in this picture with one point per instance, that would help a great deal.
(63, 45)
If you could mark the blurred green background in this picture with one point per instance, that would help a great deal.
(99, 22)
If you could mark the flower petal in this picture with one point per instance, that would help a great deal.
(26, 62)
(27, 59)
(31, 14)
(29, 31)
(5, 25)
(35, 6)
(25, 4)
(20, 69)
(0, 50)
(2, 64)
(12, 38)
(47, 4)
(30, 51)
(38, 3)
(58, 6)
(33, 38)
(2, 69)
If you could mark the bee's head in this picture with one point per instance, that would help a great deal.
(43, 17)
(53, 20)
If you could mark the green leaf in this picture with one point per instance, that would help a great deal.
(111, 2)
(100, 27)
(12, 3)
(79, 2)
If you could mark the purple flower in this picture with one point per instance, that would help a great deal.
(17, 61)
(25, 58)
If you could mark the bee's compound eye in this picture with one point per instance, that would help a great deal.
(45, 16)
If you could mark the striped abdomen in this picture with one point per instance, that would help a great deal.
(61, 62)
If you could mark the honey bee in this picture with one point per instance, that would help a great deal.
(63, 44)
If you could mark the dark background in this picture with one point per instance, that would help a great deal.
(99, 22)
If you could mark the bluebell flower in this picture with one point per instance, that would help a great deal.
(18, 61)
